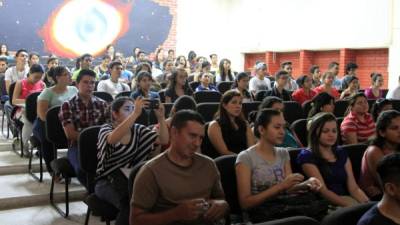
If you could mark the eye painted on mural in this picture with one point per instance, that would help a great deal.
(79, 27)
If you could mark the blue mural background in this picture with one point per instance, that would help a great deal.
(22, 20)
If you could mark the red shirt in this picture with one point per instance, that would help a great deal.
(301, 96)
(28, 88)
(333, 92)
(364, 130)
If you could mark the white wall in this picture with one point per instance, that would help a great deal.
(232, 27)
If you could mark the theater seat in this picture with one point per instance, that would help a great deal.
(299, 127)
(355, 153)
(295, 220)
(347, 215)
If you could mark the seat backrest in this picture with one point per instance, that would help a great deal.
(340, 107)
(11, 91)
(104, 95)
(293, 153)
(292, 111)
(87, 153)
(207, 96)
(162, 95)
(132, 177)
(248, 107)
(193, 84)
(226, 167)
(31, 106)
(260, 95)
(123, 94)
(396, 104)
(299, 127)
(207, 110)
(54, 130)
(168, 107)
(207, 147)
(306, 107)
(355, 153)
(294, 220)
(347, 215)
(224, 86)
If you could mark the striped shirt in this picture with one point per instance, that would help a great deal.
(112, 157)
(364, 130)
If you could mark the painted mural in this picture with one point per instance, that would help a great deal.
(69, 28)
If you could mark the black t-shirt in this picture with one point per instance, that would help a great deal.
(374, 217)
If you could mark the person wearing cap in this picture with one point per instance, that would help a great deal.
(305, 92)
(291, 85)
(281, 79)
(23, 88)
(351, 84)
(259, 82)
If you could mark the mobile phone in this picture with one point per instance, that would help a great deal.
(153, 103)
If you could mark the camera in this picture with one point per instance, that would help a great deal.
(153, 103)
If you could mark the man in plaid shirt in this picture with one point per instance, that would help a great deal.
(81, 111)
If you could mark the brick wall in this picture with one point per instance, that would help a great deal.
(170, 42)
(368, 60)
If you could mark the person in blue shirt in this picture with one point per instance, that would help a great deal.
(205, 80)
(387, 211)
(330, 164)
(144, 81)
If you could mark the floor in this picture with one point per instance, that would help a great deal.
(23, 200)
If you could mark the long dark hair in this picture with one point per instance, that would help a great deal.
(118, 103)
(314, 134)
(241, 75)
(178, 59)
(223, 116)
(320, 101)
(383, 122)
(222, 71)
(172, 84)
(264, 117)
(377, 107)
(57, 71)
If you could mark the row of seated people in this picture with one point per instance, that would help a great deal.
(263, 171)
(85, 86)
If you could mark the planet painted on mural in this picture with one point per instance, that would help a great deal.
(71, 28)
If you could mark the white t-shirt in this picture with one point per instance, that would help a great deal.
(13, 75)
(256, 84)
(111, 87)
(394, 93)
(291, 85)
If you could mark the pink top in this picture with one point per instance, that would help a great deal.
(370, 94)
(28, 88)
(366, 178)
(333, 92)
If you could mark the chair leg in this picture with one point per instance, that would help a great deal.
(87, 216)
(66, 197)
(30, 170)
(21, 143)
(55, 206)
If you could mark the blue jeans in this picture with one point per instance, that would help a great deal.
(72, 156)
(46, 148)
(106, 192)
